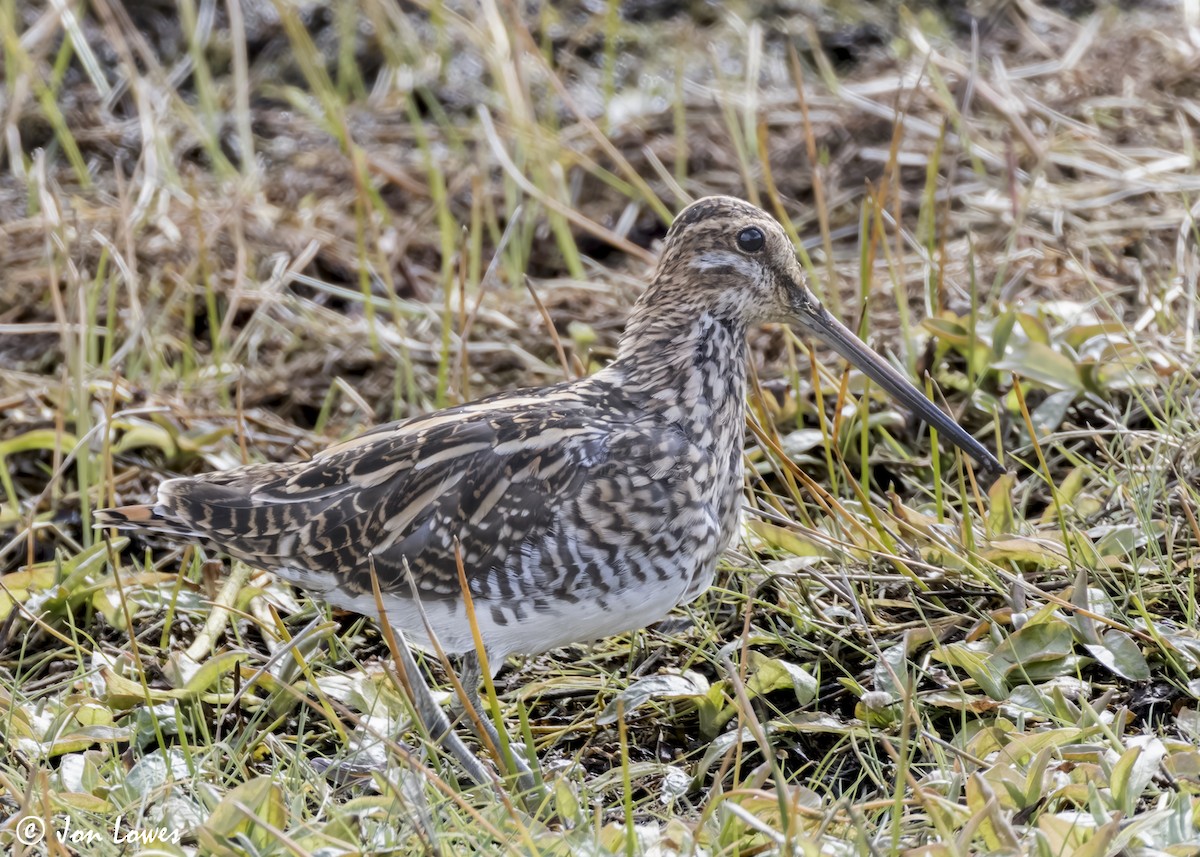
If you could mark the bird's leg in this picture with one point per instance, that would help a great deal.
(432, 718)
(435, 720)
(472, 676)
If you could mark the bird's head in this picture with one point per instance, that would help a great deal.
(731, 259)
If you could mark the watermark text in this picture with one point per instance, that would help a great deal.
(31, 830)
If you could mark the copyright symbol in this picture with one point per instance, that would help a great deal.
(30, 830)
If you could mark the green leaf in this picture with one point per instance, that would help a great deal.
(212, 670)
(1049, 415)
(974, 664)
(1101, 845)
(152, 773)
(1121, 654)
(1034, 328)
(1134, 771)
(715, 709)
(788, 540)
(1034, 361)
(950, 331)
(1034, 643)
(45, 440)
(17, 586)
(142, 435)
(1001, 519)
(1001, 334)
(991, 822)
(688, 685)
(1040, 553)
(770, 674)
(892, 666)
(1034, 785)
(239, 814)
(566, 801)
(1121, 540)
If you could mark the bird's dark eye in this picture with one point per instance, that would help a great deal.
(751, 239)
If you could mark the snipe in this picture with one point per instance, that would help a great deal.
(583, 509)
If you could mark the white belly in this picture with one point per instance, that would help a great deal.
(562, 624)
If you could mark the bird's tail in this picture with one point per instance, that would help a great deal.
(145, 518)
(234, 511)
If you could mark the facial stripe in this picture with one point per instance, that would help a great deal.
(717, 260)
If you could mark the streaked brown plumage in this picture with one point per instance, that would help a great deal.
(584, 508)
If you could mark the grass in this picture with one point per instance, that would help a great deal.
(236, 233)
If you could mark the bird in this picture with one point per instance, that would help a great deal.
(581, 509)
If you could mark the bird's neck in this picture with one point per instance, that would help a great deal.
(690, 367)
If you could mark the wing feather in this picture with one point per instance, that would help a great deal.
(537, 491)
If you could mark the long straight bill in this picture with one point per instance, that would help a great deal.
(838, 337)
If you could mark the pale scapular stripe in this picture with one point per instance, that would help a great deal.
(489, 501)
(450, 453)
(545, 439)
(398, 523)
